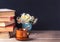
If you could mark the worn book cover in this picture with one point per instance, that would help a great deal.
(6, 19)
(7, 12)
(7, 28)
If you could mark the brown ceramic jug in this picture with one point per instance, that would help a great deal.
(21, 34)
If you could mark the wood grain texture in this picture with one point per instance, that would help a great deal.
(42, 36)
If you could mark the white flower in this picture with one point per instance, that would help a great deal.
(35, 21)
(26, 18)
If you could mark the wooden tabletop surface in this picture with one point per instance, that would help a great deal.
(39, 36)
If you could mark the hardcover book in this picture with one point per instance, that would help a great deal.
(6, 19)
(4, 24)
(4, 35)
(7, 28)
(7, 12)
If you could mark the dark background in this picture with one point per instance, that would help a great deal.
(47, 11)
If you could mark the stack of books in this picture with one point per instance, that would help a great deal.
(7, 20)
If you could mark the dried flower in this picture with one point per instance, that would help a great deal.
(26, 18)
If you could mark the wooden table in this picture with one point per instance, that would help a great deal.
(39, 36)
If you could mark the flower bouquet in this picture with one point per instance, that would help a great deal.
(27, 21)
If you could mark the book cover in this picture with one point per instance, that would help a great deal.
(4, 35)
(7, 12)
(4, 24)
(7, 28)
(7, 19)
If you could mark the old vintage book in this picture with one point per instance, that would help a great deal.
(4, 24)
(6, 19)
(4, 35)
(7, 12)
(7, 28)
